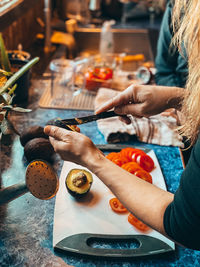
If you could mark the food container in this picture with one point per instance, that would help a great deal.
(64, 76)
(100, 71)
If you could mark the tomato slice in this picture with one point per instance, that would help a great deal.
(136, 154)
(112, 155)
(117, 206)
(144, 175)
(116, 158)
(145, 162)
(137, 223)
(128, 152)
(131, 167)
(105, 73)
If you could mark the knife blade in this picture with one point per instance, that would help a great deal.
(86, 119)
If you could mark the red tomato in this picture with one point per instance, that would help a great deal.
(128, 152)
(145, 162)
(116, 158)
(112, 155)
(96, 72)
(117, 206)
(137, 223)
(89, 75)
(131, 167)
(136, 154)
(105, 73)
(144, 175)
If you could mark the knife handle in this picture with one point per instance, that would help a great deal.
(82, 244)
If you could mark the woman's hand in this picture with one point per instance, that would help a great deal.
(144, 100)
(73, 146)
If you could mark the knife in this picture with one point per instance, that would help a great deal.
(66, 123)
(81, 120)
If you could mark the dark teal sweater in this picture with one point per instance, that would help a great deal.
(171, 66)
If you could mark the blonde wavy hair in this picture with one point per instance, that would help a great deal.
(186, 24)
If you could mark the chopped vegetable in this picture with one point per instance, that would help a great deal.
(145, 162)
(131, 167)
(139, 225)
(129, 151)
(144, 175)
(117, 206)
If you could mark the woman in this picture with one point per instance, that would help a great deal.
(175, 215)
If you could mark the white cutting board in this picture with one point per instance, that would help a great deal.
(93, 213)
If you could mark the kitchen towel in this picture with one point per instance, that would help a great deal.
(158, 129)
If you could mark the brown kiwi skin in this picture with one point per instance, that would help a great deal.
(32, 132)
(39, 148)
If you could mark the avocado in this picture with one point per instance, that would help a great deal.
(38, 148)
(32, 132)
(78, 182)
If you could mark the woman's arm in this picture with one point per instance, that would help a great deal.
(176, 216)
(144, 200)
(144, 100)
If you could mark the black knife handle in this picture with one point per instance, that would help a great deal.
(81, 120)
(103, 115)
(82, 244)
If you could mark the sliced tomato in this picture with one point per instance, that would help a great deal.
(117, 206)
(123, 159)
(116, 158)
(131, 167)
(96, 71)
(137, 223)
(145, 162)
(128, 152)
(144, 175)
(112, 155)
(105, 73)
(136, 154)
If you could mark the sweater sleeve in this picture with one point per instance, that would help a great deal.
(171, 66)
(182, 216)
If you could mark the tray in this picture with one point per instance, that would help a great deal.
(82, 101)
(77, 224)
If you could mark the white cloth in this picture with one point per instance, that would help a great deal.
(158, 129)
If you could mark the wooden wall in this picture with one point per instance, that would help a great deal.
(20, 25)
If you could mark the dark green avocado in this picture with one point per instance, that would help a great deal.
(78, 182)
(32, 132)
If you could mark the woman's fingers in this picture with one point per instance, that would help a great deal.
(125, 119)
(56, 132)
(122, 98)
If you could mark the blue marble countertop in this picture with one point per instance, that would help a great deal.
(26, 223)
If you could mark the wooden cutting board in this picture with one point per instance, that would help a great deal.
(76, 223)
